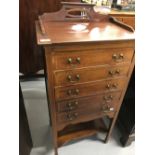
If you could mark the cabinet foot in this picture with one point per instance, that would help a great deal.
(127, 140)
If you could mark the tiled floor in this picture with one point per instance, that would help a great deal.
(34, 93)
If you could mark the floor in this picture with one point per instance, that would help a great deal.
(34, 93)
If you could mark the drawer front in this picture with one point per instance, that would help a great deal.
(74, 59)
(66, 78)
(63, 120)
(88, 89)
(93, 102)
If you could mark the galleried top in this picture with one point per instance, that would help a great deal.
(78, 22)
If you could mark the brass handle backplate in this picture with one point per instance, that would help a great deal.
(108, 98)
(75, 78)
(107, 108)
(72, 105)
(72, 116)
(118, 57)
(111, 86)
(74, 60)
(114, 72)
(73, 92)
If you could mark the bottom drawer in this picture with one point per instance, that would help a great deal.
(89, 108)
(81, 116)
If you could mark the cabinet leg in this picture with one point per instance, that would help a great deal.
(127, 140)
(124, 141)
(55, 138)
(48, 102)
(56, 151)
(112, 123)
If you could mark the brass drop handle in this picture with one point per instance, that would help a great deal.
(69, 60)
(78, 59)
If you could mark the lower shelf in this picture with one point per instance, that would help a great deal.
(76, 135)
(81, 130)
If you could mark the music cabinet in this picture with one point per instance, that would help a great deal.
(89, 59)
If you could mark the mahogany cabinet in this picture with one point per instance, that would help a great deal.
(89, 59)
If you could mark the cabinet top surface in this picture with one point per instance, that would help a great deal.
(68, 32)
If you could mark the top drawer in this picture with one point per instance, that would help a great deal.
(77, 59)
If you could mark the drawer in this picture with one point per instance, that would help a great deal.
(77, 59)
(63, 120)
(95, 106)
(82, 90)
(89, 102)
(66, 78)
